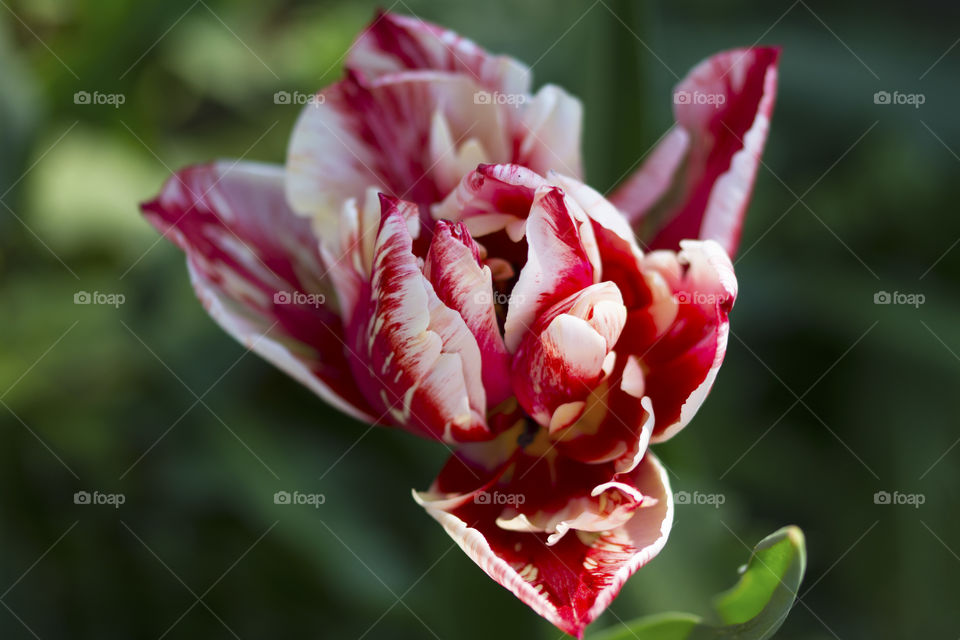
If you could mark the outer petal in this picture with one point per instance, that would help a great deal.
(401, 133)
(723, 110)
(395, 43)
(453, 267)
(414, 357)
(566, 546)
(551, 126)
(256, 268)
(546, 127)
(681, 335)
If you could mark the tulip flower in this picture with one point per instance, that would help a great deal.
(429, 259)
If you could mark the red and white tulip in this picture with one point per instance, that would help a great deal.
(475, 291)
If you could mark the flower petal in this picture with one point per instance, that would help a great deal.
(415, 358)
(492, 198)
(348, 255)
(564, 548)
(615, 424)
(551, 125)
(682, 339)
(562, 358)
(723, 110)
(395, 43)
(600, 210)
(562, 259)
(256, 268)
(462, 283)
(398, 133)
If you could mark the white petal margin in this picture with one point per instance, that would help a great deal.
(708, 272)
(231, 219)
(552, 123)
(625, 464)
(253, 332)
(642, 532)
(730, 194)
(474, 544)
(647, 532)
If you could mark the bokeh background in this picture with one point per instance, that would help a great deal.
(825, 399)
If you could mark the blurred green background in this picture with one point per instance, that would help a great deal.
(825, 398)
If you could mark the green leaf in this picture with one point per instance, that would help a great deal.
(663, 626)
(753, 609)
(760, 601)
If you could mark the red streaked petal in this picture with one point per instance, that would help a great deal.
(561, 260)
(463, 284)
(256, 268)
(643, 189)
(683, 360)
(566, 575)
(614, 426)
(492, 198)
(550, 130)
(383, 133)
(723, 144)
(331, 157)
(414, 357)
(600, 210)
(619, 252)
(348, 256)
(562, 358)
(395, 43)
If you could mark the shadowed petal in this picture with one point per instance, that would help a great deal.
(256, 268)
(723, 110)
(492, 198)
